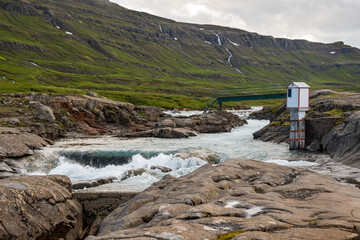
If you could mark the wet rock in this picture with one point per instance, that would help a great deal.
(225, 200)
(132, 173)
(204, 154)
(92, 183)
(19, 145)
(161, 168)
(175, 110)
(45, 113)
(41, 207)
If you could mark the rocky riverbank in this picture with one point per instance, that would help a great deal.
(332, 125)
(31, 121)
(239, 199)
(236, 199)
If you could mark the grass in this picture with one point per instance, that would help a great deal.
(230, 235)
(336, 112)
(122, 55)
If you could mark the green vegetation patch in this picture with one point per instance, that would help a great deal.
(336, 112)
(230, 235)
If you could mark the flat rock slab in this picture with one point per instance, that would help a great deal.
(239, 199)
(19, 145)
(38, 207)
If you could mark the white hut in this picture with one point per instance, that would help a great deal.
(298, 100)
(298, 95)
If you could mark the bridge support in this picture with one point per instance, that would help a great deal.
(220, 105)
(297, 129)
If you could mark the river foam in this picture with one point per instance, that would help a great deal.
(83, 159)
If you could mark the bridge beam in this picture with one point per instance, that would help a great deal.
(251, 97)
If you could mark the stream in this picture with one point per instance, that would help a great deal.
(103, 157)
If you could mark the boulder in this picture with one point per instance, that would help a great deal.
(161, 168)
(92, 94)
(213, 122)
(19, 145)
(174, 133)
(133, 173)
(39, 207)
(204, 154)
(238, 198)
(165, 132)
(92, 183)
(45, 113)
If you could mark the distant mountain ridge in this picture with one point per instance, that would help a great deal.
(80, 45)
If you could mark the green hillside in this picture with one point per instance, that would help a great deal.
(74, 46)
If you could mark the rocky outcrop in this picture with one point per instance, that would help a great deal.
(316, 129)
(100, 204)
(331, 125)
(238, 199)
(19, 145)
(68, 115)
(343, 141)
(204, 154)
(39, 207)
(183, 127)
(161, 168)
(166, 132)
(11, 167)
(92, 183)
(213, 122)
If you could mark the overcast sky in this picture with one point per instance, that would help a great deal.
(314, 20)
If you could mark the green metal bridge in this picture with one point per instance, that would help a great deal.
(245, 94)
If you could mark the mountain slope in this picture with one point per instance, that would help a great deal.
(80, 45)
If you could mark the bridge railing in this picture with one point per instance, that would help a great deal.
(243, 91)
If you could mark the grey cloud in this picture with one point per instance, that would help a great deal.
(320, 20)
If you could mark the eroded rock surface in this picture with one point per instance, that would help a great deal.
(38, 207)
(100, 204)
(240, 199)
(183, 127)
(213, 122)
(19, 145)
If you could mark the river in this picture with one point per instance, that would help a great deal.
(102, 157)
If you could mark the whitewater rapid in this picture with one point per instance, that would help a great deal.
(91, 158)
